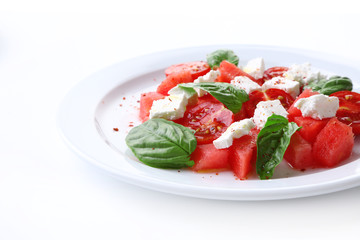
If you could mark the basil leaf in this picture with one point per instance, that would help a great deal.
(316, 86)
(331, 85)
(162, 144)
(226, 93)
(272, 143)
(215, 58)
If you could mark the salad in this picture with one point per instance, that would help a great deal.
(214, 115)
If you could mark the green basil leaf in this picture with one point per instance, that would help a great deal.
(226, 93)
(272, 143)
(335, 84)
(331, 85)
(316, 86)
(215, 58)
(162, 144)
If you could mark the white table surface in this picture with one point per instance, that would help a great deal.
(47, 192)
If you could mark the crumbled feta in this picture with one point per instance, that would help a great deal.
(235, 130)
(245, 84)
(318, 106)
(303, 74)
(171, 107)
(289, 86)
(209, 77)
(190, 95)
(265, 109)
(255, 68)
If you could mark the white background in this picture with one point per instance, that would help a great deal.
(46, 47)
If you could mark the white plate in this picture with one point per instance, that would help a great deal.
(108, 99)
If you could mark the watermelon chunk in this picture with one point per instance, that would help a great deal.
(229, 71)
(207, 158)
(196, 68)
(333, 144)
(173, 80)
(243, 154)
(146, 101)
(310, 127)
(299, 153)
(240, 115)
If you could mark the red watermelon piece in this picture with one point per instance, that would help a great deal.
(208, 158)
(229, 71)
(146, 101)
(173, 80)
(334, 143)
(243, 154)
(299, 153)
(310, 127)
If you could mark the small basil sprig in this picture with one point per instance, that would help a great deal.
(230, 96)
(331, 85)
(162, 144)
(272, 143)
(215, 58)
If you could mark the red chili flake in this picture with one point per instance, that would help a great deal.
(120, 105)
(124, 98)
(153, 148)
(217, 173)
(138, 101)
(131, 125)
(116, 129)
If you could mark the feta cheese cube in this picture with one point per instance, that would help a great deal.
(255, 68)
(289, 86)
(209, 77)
(318, 106)
(189, 94)
(171, 107)
(245, 84)
(303, 74)
(265, 109)
(235, 130)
